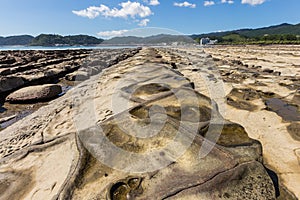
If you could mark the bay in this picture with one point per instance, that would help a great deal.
(11, 48)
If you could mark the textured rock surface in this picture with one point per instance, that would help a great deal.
(265, 103)
(9, 83)
(35, 93)
(20, 68)
(55, 153)
(63, 67)
(40, 66)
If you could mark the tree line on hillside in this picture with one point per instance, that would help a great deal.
(278, 34)
(16, 40)
(50, 40)
(235, 38)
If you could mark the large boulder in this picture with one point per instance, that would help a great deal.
(35, 93)
(10, 83)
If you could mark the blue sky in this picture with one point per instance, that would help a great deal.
(104, 18)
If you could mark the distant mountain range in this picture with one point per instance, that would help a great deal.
(241, 35)
(50, 40)
(156, 39)
(279, 34)
(271, 30)
(282, 29)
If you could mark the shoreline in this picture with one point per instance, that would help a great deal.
(56, 48)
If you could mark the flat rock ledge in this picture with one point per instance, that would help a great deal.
(19, 69)
(35, 93)
(65, 149)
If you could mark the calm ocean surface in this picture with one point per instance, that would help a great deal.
(5, 48)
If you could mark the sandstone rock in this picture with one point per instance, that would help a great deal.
(42, 67)
(4, 71)
(276, 127)
(97, 63)
(35, 93)
(277, 73)
(71, 76)
(294, 130)
(296, 97)
(223, 173)
(267, 70)
(5, 119)
(171, 182)
(77, 76)
(166, 140)
(10, 83)
(8, 61)
(297, 152)
(93, 71)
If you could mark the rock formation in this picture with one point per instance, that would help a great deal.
(23, 68)
(138, 130)
(35, 93)
(262, 84)
(37, 68)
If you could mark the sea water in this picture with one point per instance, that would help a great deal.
(7, 48)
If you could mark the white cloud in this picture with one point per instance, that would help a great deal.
(92, 11)
(253, 2)
(144, 22)
(227, 1)
(109, 34)
(209, 3)
(153, 2)
(132, 9)
(185, 4)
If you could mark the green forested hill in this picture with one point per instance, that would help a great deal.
(283, 29)
(52, 40)
(279, 34)
(49, 40)
(271, 30)
(16, 40)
